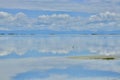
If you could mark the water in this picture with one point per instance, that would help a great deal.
(49, 57)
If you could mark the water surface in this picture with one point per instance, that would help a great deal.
(48, 57)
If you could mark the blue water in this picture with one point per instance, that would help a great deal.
(47, 57)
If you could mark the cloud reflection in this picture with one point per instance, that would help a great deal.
(62, 68)
(104, 45)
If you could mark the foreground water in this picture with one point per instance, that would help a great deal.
(48, 57)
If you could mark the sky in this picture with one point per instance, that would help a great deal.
(59, 15)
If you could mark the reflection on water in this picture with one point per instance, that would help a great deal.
(77, 45)
(47, 58)
(50, 68)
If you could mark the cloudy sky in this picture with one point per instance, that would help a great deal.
(42, 57)
(60, 15)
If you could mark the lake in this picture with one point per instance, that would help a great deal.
(50, 57)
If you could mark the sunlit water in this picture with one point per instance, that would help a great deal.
(48, 57)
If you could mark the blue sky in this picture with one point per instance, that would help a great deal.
(36, 13)
(59, 15)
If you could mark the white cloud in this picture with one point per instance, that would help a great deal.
(10, 22)
(107, 16)
(105, 21)
(20, 21)
(5, 17)
(60, 22)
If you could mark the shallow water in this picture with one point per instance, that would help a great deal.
(47, 57)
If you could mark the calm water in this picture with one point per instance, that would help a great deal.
(48, 57)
